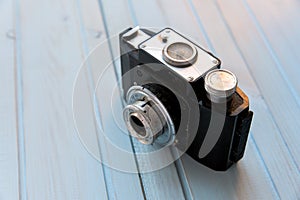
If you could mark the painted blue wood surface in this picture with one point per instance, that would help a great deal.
(42, 47)
(214, 25)
(9, 170)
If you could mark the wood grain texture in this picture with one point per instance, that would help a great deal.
(9, 174)
(57, 165)
(98, 57)
(43, 44)
(160, 184)
(262, 64)
(211, 25)
(195, 180)
(280, 32)
(270, 145)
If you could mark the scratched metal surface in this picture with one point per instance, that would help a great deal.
(42, 45)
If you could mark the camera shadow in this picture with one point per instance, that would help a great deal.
(208, 184)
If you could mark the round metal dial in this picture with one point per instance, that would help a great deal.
(220, 83)
(180, 54)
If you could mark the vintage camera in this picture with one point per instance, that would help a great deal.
(176, 94)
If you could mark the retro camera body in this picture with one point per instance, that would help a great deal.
(176, 94)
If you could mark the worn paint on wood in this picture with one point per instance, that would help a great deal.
(9, 169)
(42, 47)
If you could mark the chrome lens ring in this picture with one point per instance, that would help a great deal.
(144, 133)
(145, 107)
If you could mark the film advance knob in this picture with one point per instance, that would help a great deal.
(220, 85)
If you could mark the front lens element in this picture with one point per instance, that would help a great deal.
(138, 125)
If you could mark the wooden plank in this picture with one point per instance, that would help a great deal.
(150, 19)
(92, 28)
(9, 185)
(229, 186)
(213, 25)
(268, 144)
(280, 33)
(261, 64)
(266, 135)
(167, 14)
(57, 165)
(239, 182)
(160, 184)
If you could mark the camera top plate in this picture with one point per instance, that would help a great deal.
(202, 63)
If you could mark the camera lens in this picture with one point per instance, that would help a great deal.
(138, 125)
(180, 54)
(146, 118)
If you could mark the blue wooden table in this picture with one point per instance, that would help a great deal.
(42, 46)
